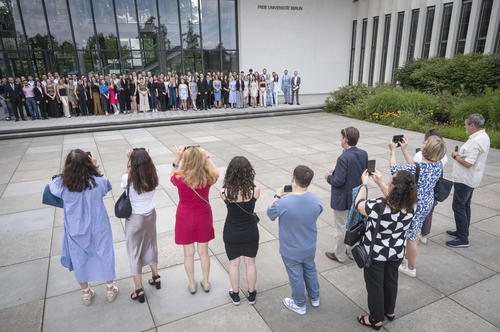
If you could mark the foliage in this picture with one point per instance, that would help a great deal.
(462, 74)
(487, 105)
(349, 95)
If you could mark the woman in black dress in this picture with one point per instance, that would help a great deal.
(225, 91)
(241, 234)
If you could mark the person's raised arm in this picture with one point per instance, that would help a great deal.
(361, 198)
(213, 171)
(404, 145)
(377, 178)
(392, 148)
(179, 151)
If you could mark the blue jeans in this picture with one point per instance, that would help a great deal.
(286, 92)
(299, 272)
(462, 197)
(32, 108)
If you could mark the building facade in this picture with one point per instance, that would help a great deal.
(330, 43)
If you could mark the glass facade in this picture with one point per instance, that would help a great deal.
(373, 50)
(111, 36)
(445, 29)
(484, 22)
(429, 22)
(397, 44)
(413, 34)
(463, 26)
(385, 45)
(353, 51)
(362, 49)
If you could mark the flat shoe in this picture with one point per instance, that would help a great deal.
(206, 288)
(193, 291)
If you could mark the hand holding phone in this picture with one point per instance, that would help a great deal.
(288, 189)
(397, 139)
(371, 166)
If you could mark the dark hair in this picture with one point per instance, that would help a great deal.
(79, 171)
(404, 191)
(432, 132)
(142, 174)
(303, 175)
(239, 178)
(352, 135)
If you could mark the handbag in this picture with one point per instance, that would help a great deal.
(49, 199)
(362, 258)
(354, 234)
(442, 189)
(123, 207)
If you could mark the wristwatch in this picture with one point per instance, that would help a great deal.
(174, 165)
(277, 196)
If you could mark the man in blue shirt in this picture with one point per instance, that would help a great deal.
(298, 212)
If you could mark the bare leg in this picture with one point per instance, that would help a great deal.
(205, 261)
(251, 273)
(189, 264)
(154, 271)
(234, 274)
(84, 285)
(411, 253)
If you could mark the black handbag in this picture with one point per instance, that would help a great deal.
(123, 208)
(354, 234)
(361, 257)
(442, 189)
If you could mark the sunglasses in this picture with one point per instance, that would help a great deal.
(191, 146)
(136, 149)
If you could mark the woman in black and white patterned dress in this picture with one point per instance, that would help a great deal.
(397, 208)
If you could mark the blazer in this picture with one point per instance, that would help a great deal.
(202, 86)
(39, 96)
(298, 81)
(15, 95)
(347, 175)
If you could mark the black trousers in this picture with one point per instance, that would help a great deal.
(204, 99)
(43, 108)
(18, 109)
(381, 280)
(295, 93)
(163, 102)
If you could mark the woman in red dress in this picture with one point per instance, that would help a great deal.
(194, 221)
(112, 96)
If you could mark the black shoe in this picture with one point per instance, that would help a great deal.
(298, 104)
(17, 120)
(251, 297)
(24, 119)
(235, 297)
(457, 243)
(452, 233)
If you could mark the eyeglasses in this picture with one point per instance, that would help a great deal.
(191, 146)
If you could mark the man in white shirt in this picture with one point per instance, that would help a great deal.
(295, 87)
(468, 170)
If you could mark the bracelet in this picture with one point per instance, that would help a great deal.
(174, 165)
(277, 196)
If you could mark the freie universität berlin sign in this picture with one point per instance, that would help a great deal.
(274, 7)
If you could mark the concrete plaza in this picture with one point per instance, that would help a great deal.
(455, 289)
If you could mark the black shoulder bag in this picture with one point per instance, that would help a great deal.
(123, 207)
(362, 258)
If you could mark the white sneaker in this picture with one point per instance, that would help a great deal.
(116, 113)
(290, 304)
(315, 303)
(409, 272)
(423, 239)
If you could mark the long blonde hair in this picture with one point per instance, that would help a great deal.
(194, 168)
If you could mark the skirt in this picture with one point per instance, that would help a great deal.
(140, 237)
(143, 103)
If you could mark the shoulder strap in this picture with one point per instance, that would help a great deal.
(244, 210)
(374, 233)
(204, 200)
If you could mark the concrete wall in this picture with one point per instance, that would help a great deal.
(315, 41)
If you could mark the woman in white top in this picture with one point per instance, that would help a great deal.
(141, 180)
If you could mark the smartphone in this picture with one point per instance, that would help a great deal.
(456, 148)
(417, 150)
(371, 166)
(288, 189)
(397, 139)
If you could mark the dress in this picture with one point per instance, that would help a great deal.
(183, 91)
(53, 108)
(87, 241)
(253, 89)
(232, 92)
(193, 88)
(429, 175)
(172, 95)
(193, 220)
(143, 99)
(241, 234)
(269, 93)
(217, 95)
(112, 95)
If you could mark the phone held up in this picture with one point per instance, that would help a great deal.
(397, 139)
(371, 166)
(288, 188)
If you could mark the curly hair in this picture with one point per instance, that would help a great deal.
(142, 174)
(403, 191)
(79, 171)
(239, 179)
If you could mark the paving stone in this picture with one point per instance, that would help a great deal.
(223, 318)
(174, 302)
(29, 245)
(165, 219)
(66, 312)
(32, 220)
(23, 188)
(34, 275)
(491, 225)
(21, 203)
(443, 315)
(22, 318)
(482, 298)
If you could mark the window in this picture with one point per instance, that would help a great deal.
(190, 25)
(36, 31)
(484, 21)
(362, 53)
(210, 24)
(126, 18)
(497, 42)
(445, 28)
(397, 44)
(373, 50)
(413, 34)
(169, 23)
(385, 43)
(105, 24)
(228, 23)
(148, 24)
(463, 26)
(60, 29)
(353, 51)
(81, 16)
(429, 22)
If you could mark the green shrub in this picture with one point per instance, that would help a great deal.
(346, 96)
(462, 74)
(487, 105)
(417, 103)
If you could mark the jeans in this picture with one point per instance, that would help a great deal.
(32, 108)
(275, 97)
(154, 101)
(6, 109)
(299, 272)
(286, 92)
(462, 197)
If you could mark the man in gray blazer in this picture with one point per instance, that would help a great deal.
(295, 87)
(343, 178)
(286, 83)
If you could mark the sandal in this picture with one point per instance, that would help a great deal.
(390, 318)
(361, 320)
(111, 292)
(87, 295)
(155, 282)
(138, 296)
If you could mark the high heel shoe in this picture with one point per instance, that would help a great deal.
(138, 296)
(154, 282)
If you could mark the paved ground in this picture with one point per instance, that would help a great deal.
(456, 289)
